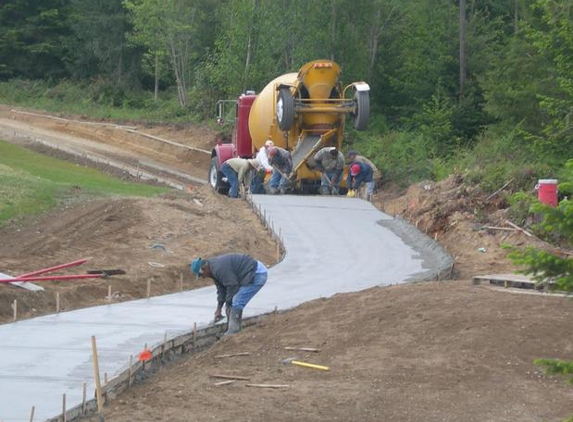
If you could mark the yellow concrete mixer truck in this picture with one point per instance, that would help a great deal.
(300, 112)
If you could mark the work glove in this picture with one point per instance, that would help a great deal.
(351, 193)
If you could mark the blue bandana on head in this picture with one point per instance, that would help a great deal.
(196, 266)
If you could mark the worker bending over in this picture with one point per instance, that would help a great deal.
(238, 277)
(281, 162)
(236, 171)
(330, 161)
(352, 156)
(359, 173)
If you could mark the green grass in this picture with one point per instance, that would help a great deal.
(31, 183)
(97, 101)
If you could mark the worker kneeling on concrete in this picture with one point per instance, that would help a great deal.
(330, 161)
(359, 173)
(238, 277)
(236, 171)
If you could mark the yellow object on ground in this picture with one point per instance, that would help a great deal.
(351, 193)
(310, 365)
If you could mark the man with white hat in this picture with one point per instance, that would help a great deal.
(265, 168)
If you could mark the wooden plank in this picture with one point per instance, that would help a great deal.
(220, 383)
(268, 385)
(230, 377)
(230, 355)
(509, 280)
(303, 349)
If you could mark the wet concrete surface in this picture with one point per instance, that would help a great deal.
(333, 245)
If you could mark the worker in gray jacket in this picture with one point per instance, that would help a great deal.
(238, 277)
(330, 161)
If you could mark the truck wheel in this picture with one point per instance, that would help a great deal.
(362, 113)
(215, 177)
(285, 109)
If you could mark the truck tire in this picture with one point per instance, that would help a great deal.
(215, 177)
(362, 113)
(285, 109)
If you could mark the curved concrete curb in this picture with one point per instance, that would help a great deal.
(429, 250)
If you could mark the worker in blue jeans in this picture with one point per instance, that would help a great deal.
(238, 277)
(358, 173)
(236, 170)
(281, 162)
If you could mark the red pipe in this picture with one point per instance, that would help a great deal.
(53, 277)
(57, 267)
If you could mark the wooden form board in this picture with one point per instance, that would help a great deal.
(507, 280)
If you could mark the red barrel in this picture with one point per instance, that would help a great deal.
(547, 191)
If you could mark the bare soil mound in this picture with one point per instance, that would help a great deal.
(151, 239)
(435, 351)
(463, 220)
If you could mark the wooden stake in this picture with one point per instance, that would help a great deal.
(163, 345)
(105, 378)
(303, 349)
(230, 377)
(130, 371)
(218, 384)
(148, 288)
(276, 311)
(84, 388)
(15, 309)
(194, 333)
(99, 397)
(181, 281)
(64, 418)
(144, 348)
(269, 385)
(32, 413)
(230, 355)
(515, 226)
(499, 190)
(109, 293)
(57, 302)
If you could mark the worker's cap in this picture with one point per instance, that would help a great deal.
(333, 151)
(269, 143)
(351, 153)
(253, 162)
(196, 265)
(354, 169)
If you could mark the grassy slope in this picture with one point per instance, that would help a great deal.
(31, 183)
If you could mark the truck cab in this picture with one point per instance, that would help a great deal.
(240, 145)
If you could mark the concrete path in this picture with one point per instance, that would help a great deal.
(333, 245)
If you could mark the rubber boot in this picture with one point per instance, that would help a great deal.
(235, 319)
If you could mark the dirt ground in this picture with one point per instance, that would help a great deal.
(435, 351)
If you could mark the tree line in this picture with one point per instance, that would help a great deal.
(447, 71)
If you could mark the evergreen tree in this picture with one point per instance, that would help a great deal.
(33, 38)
